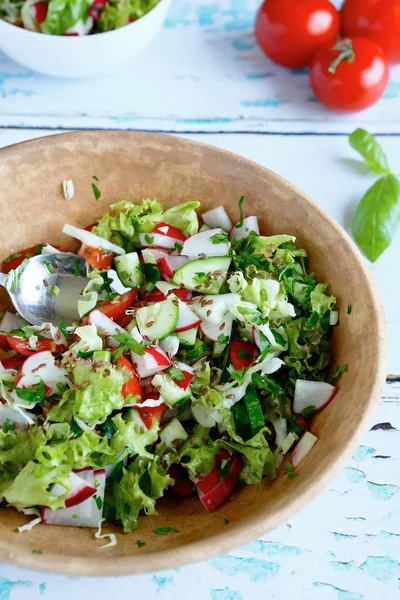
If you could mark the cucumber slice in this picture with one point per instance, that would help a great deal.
(158, 321)
(172, 393)
(204, 227)
(248, 415)
(173, 431)
(133, 416)
(197, 274)
(99, 355)
(199, 350)
(126, 266)
(218, 349)
(188, 338)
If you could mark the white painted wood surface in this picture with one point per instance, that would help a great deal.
(206, 78)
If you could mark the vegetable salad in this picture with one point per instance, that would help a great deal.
(73, 17)
(199, 359)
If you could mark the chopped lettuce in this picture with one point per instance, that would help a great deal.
(133, 436)
(184, 217)
(117, 13)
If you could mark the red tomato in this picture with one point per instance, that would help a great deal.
(242, 354)
(215, 487)
(148, 413)
(96, 257)
(114, 309)
(13, 261)
(378, 20)
(171, 231)
(41, 11)
(302, 422)
(349, 76)
(124, 320)
(4, 345)
(96, 9)
(184, 383)
(182, 486)
(291, 31)
(13, 363)
(132, 386)
(157, 295)
(23, 347)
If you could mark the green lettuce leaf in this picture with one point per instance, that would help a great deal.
(197, 454)
(261, 246)
(117, 12)
(30, 487)
(258, 458)
(63, 14)
(133, 436)
(18, 447)
(184, 217)
(320, 301)
(88, 450)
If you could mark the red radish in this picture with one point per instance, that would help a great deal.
(154, 360)
(169, 230)
(303, 447)
(165, 270)
(41, 367)
(107, 325)
(242, 230)
(182, 484)
(90, 239)
(153, 255)
(201, 244)
(170, 344)
(213, 331)
(187, 319)
(11, 321)
(213, 489)
(80, 490)
(159, 240)
(148, 388)
(214, 309)
(301, 421)
(217, 217)
(242, 354)
(312, 393)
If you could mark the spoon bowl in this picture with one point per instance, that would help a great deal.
(47, 287)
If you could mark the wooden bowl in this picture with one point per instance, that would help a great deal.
(135, 165)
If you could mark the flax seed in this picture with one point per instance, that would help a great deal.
(198, 287)
(150, 324)
(222, 326)
(208, 313)
(230, 396)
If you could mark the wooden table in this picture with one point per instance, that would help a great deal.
(205, 78)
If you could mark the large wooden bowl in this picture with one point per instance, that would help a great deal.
(136, 165)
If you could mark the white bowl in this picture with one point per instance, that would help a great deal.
(82, 56)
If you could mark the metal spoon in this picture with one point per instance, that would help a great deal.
(47, 288)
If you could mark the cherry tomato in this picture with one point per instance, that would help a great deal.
(13, 261)
(170, 231)
(132, 386)
(13, 363)
(351, 75)
(41, 11)
(23, 347)
(291, 31)
(96, 257)
(214, 488)
(242, 354)
(148, 413)
(378, 20)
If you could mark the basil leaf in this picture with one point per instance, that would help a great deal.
(63, 14)
(366, 144)
(377, 217)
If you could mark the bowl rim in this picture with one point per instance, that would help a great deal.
(245, 531)
(66, 39)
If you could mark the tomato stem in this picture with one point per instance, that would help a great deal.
(345, 48)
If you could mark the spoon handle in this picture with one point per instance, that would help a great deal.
(3, 278)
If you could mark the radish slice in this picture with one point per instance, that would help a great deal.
(90, 239)
(201, 244)
(312, 393)
(80, 490)
(303, 447)
(159, 240)
(214, 308)
(41, 367)
(11, 321)
(170, 344)
(165, 270)
(117, 286)
(9, 414)
(256, 337)
(187, 319)
(152, 255)
(48, 249)
(213, 331)
(106, 324)
(217, 217)
(249, 224)
(153, 361)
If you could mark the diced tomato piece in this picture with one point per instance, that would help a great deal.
(114, 309)
(96, 9)
(41, 11)
(184, 383)
(302, 422)
(170, 231)
(132, 386)
(214, 487)
(182, 486)
(13, 261)
(23, 347)
(96, 257)
(242, 354)
(14, 362)
(4, 345)
(124, 320)
(157, 296)
(148, 413)
(70, 34)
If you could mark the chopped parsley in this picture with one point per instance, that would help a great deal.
(8, 425)
(224, 470)
(223, 339)
(176, 374)
(349, 309)
(149, 238)
(241, 201)
(341, 369)
(243, 353)
(307, 411)
(63, 328)
(165, 530)
(128, 341)
(178, 246)
(291, 471)
(55, 290)
(77, 267)
(13, 257)
(219, 238)
(140, 544)
(96, 191)
(99, 502)
(226, 521)
(37, 551)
